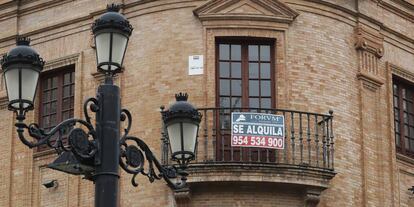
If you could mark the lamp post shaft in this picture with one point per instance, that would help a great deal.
(108, 131)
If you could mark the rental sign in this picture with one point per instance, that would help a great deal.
(257, 130)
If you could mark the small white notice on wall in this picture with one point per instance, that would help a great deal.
(195, 65)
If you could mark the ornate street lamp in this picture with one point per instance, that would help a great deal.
(111, 33)
(97, 151)
(21, 68)
(182, 121)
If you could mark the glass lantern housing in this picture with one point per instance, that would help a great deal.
(182, 122)
(21, 68)
(111, 32)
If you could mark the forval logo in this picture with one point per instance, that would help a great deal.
(241, 118)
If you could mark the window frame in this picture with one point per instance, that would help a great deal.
(224, 151)
(245, 42)
(402, 84)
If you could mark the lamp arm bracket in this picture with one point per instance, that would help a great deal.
(82, 144)
(133, 153)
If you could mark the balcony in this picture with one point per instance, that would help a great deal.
(307, 159)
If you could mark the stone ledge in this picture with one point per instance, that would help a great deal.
(251, 172)
(405, 158)
(370, 81)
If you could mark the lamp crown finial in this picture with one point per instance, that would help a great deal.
(20, 40)
(181, 96)
(113, 7)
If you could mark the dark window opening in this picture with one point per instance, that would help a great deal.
(57, 90)
(403, 99)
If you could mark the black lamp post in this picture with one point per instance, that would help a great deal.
(98, 151)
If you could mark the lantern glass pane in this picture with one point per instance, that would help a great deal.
(174, 133)
(102, 42)
(190, 136)
(12, 83)
(119, 43)
(29, 83)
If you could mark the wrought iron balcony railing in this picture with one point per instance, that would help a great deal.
(309, 140)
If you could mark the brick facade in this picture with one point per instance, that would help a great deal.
(330, 54)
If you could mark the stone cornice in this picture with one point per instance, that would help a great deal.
(24, 9)
(88, 18)
(353, 16)
(382, 3)
(406, 3)
(399, 35)
(49, 28)
(8, 4)
(253, 10)
(60, 62)
(398, 11)
(8, 10)
(401, 72)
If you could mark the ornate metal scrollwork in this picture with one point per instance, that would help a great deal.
(81, 143)
(94, 108)
(133, 154)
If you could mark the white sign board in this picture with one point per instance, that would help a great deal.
(257, 130)
(195, 65)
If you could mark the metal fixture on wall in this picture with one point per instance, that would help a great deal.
(51, 184)
(97, 151)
